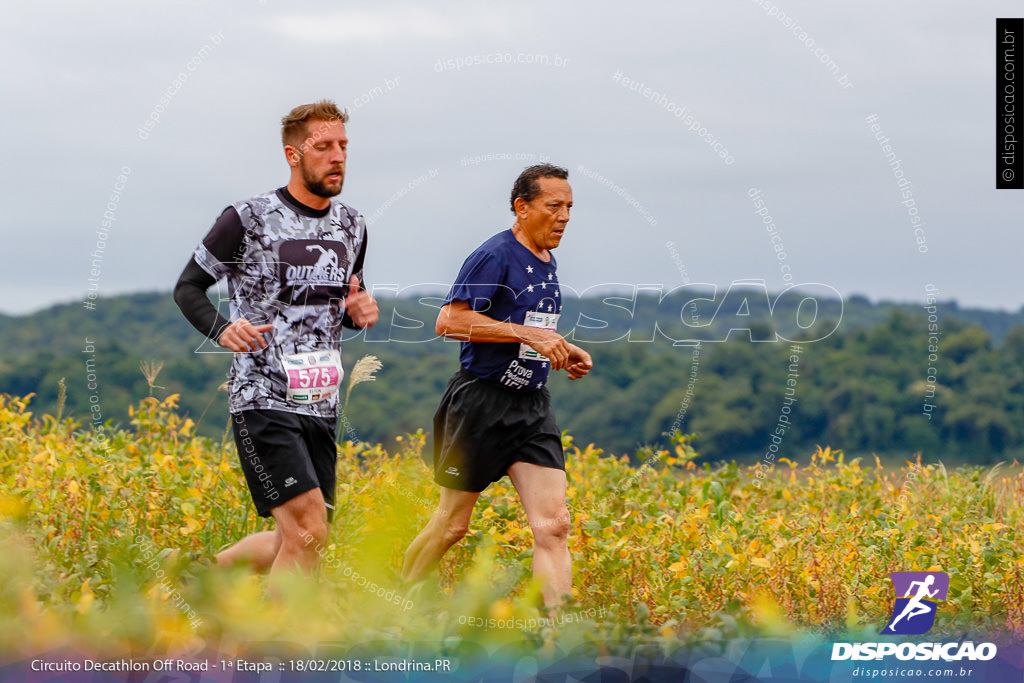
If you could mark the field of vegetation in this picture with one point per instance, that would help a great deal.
(105, 542)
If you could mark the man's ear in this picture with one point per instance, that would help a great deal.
(520, 205)
(292, 155)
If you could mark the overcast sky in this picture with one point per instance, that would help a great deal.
(433, 89)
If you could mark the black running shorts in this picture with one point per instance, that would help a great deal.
(284, 454)
(481, 428)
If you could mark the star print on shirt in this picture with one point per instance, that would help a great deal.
(543, 285)
(551, 276)
(529, 269)
(529, 288)
(540, 384)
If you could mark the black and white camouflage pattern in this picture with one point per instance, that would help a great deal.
(292, 271)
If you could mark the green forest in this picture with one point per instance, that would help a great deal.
(851, 374)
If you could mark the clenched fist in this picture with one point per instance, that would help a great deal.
(359, 305)
(242, 336)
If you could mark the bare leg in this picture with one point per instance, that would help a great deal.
(302, 527)
(446, 527)
(257, 550)
(542, 491)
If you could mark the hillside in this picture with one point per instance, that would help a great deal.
(866, 384)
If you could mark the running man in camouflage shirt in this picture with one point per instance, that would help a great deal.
(293, 260)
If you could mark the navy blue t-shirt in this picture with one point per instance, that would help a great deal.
(504, 280)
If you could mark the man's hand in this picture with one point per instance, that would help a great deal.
(359, 305)
(550, 345)
(579, 363)
(242, 336)
(457, 320)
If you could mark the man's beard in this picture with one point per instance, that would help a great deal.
(318, 187)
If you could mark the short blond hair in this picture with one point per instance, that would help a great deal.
(294, 128)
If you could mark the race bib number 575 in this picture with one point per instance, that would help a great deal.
(313, 376)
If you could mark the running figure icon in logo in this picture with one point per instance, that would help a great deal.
(917, 597)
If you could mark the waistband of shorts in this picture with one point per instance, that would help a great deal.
(283, 413)
(466, 374)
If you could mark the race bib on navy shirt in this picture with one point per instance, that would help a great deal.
(504, 280)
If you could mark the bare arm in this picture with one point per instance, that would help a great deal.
(458, 321)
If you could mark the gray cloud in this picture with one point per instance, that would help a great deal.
(504, 81)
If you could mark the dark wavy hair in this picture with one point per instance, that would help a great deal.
(526, 185)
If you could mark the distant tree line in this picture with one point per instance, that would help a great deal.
(862, 380)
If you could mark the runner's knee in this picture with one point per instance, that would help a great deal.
(310, 533)
(455, 530)
(551, 529)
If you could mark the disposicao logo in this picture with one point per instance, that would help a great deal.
(917, 599)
